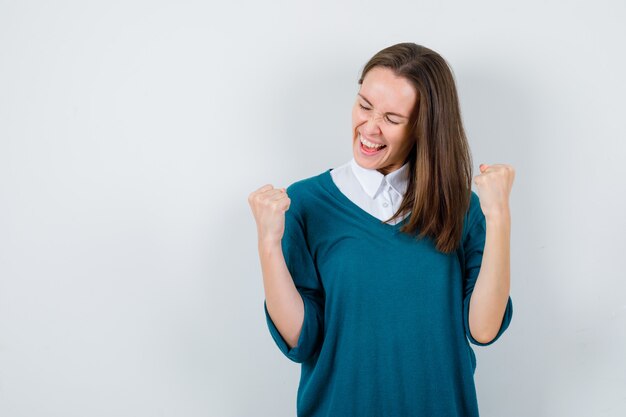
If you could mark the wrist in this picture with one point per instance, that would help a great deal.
(499, 218)
(269, 244)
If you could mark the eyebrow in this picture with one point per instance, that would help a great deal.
(368, 102)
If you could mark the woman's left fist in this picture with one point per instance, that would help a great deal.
(494, 185)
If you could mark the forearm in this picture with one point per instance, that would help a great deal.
(284, 302)
(491, 291)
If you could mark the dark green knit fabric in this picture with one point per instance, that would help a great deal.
(386, 329)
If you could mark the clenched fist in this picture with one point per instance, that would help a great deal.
(494, 185)
(268, 206)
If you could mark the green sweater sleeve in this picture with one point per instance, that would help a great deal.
(306, 278)
(473, 246)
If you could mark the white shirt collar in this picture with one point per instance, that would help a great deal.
(372, 181)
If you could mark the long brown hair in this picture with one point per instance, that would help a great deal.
(440, 173)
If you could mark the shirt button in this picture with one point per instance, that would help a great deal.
(385, 204)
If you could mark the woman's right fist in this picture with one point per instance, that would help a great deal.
(268, 206)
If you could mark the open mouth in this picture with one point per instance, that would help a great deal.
(370, 148)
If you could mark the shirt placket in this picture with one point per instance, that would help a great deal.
(388, 202)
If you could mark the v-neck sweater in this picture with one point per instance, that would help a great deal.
(386, 316)
(379, 194)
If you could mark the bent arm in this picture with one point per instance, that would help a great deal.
(491, 291)
(284, 302)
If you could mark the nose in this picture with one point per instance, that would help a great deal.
(371, 126)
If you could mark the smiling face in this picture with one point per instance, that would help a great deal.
(380, 116)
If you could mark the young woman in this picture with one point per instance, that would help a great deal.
(376, 273)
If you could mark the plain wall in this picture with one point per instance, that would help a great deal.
(132, 133)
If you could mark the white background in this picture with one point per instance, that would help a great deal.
(132, 133)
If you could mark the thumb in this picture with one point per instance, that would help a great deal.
(483, 167)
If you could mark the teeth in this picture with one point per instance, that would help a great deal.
(369, 144)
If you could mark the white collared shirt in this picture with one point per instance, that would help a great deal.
(379, 195)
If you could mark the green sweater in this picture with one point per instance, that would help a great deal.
(386, 328)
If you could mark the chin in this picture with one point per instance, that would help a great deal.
(365, 163)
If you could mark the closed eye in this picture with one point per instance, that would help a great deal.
(386, 117)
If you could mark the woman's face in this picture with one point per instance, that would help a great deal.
(381, 116)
